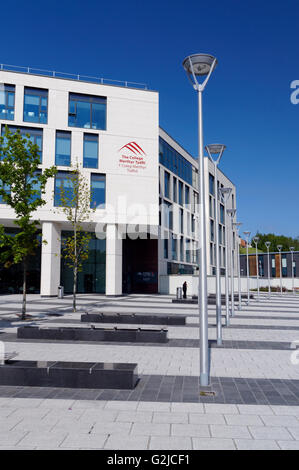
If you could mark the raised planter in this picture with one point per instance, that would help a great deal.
(92, 333)
(131, 318)
(68, 374)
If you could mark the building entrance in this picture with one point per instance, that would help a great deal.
(140, 266)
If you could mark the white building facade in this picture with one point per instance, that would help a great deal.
(113, 133)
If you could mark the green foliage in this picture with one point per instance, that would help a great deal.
(19, 165)
(275, 240)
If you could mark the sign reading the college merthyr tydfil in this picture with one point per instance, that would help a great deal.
(132, 157)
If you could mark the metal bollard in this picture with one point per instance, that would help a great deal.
(179, 293)
(60, 292)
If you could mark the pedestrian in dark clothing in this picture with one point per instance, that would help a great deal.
(185, 290)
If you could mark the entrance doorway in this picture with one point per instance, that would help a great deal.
(140, 266)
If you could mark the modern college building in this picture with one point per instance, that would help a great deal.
(144, 185)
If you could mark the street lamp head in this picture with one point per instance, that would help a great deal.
(237, 224)
(279, 247)
(292, 248)
(247, 234)
(256, 239)
(215, 152)
(268, 244)
(231, 212)
(199, 65)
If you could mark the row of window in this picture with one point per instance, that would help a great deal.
(63, 145)
(221, 232)
(189, 253)
(180, 191)
(62, 185)
(176, 163)
(85, 111)
(167, 209)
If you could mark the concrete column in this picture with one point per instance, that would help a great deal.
(113, 261)
(50, 263)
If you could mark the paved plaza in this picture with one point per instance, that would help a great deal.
(254, 380)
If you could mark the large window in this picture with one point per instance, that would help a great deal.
(98, 191)
(181, 221)
(35, 182)
(7, 102)
(35, 135)
(64, 185)
(168, 216)
(166, 184)
(63, 148)
(90, 151)
(35, 105)
(211, 183)
(173, 247)
(181, 196)
(88, 112)
(174, 161)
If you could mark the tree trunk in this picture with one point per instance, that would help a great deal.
(23, 316)
(75, 288)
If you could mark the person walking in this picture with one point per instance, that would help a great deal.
(185, 290)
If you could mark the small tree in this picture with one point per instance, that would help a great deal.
(22, 186)
(75, 199)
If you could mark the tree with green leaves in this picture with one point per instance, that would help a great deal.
(22, 186)
(75, 200)
(275, 240)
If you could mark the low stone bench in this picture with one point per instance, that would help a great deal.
(93, 333)
(131, 318)
(68, 374)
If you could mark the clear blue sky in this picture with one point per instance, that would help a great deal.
(246, 104)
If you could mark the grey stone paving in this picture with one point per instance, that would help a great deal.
(256, 385)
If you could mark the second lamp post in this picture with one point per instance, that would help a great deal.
(215, 152)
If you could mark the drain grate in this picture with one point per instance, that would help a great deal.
(207, 394)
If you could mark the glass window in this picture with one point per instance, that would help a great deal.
(98, 191)
(63, 148)
(175, 190)
(211, 183)
(90, 151)
(188, 248)
(35, 135)
(181, 249)
(174, 246)
(88, 112)
(174, 161)
(181, 193)
(181, 221)
(187, 192)
(193, 225)
(166, 184)
(7, 102)
(35, 186)
(221, 213)
(35, 105)
(62, 181)
(168, 219)
(212, 230)
(166, 248)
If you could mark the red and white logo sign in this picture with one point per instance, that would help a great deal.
(132, 157)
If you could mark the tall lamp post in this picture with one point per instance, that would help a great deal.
(215, 152)
(256, 239)
(269, 288)
(232, 213)
(247, 234)
(292, 248)
(225, 194)
(196, 67)
(237, 226)
(279, 247)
